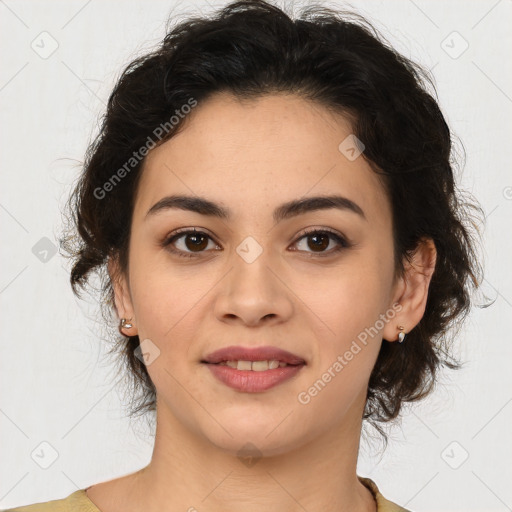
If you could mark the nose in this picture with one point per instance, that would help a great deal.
(254, 293)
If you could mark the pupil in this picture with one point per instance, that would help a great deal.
(321, 246)
(197, 242)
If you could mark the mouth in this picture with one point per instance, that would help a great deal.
(257, 379)
(255, 366)
(255, 359)
(253, 370)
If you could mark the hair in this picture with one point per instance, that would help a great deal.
(338, 60)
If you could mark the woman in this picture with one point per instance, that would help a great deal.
(274, 203)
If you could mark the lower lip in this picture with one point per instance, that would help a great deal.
(249, 381)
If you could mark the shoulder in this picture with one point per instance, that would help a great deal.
(75, 502)
(383, 504)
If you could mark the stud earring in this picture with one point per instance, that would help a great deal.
(401, 334)
(125, 323)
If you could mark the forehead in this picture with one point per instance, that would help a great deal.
(257, 154)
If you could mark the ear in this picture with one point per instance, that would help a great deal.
(411, 290)
(122, 297)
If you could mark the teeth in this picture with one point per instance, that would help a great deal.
(256, 366)
(259, 366)
(244, 365)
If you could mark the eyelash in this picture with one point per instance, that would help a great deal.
(343, 244)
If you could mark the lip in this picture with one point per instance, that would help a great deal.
(249, 381)
(267, 353)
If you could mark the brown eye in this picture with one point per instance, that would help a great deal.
(187, 242)
(190, 243)
(195, 241)
(319, 240)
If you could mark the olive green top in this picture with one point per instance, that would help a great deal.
(79, 502)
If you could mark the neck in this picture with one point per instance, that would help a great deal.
(188, 472)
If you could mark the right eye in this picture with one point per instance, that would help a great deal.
(193, 240)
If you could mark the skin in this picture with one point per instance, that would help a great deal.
(251, 157)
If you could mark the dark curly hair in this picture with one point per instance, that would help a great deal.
(337, 59)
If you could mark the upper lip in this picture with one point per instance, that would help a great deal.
(238, 353)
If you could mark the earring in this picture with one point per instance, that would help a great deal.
(125, 323)
(401, 335)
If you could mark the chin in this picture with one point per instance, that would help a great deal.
(248, 448)
(263, 437)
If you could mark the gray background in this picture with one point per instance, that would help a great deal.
(452, 452)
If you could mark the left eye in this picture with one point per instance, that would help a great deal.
(321, 240)
(197, 242)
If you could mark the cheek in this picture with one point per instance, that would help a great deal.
(352, 306)
(352, 350)
(350, 297)
(345, 353)
(163, 295)
(164, 309)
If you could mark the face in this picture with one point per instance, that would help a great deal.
(310, 282)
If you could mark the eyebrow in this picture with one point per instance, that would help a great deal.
(285, 211)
